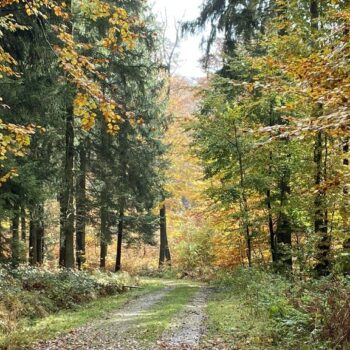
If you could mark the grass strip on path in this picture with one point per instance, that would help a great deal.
(153, 323)
(31, 331)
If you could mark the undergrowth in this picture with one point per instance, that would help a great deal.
(256, 309)
(30, 331)
(32, 293)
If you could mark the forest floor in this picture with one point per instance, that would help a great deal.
(171, 317)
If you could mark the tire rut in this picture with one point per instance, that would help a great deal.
(110, 332)
(189, 325)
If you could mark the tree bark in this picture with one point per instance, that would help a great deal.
(15, 251)
(105, 237)
(104, 229)
(40, 235)
(164, 251)
(33, 251)
(271, 228)
(284, 261)
(118, 261)
(346, 243)
(269, 206)
(23, 224)
(323, 247)
(67, 198)
(36, 235)
(81, 207)
(314, 12)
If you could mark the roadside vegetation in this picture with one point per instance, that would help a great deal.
(38, 303)
(257, 309)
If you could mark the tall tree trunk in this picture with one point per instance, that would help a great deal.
(314, 13)
(346, 243)
(118, 262)
(67, 198)
(81, 207)
(105, 237)
(243, 201)
(23, 233)
(33, 251)
(271, 228)
(323, 247)
(2, 243)
(104, 228)
(66, 256)
(269, 203)
(23, 224)
(283, 233)
(164, 251)
(40, 235)
(15, 236)
(36, 235)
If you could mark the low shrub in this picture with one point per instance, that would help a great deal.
(28, 292)
(303, 314)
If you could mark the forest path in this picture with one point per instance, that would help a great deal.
(177, 311)
(188, 327)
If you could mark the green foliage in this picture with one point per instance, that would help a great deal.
(122, 171)
(194, 253)
(235, 20)
(261, 310)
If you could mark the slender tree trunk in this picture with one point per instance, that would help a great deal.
(314, 13)
(269, 206)
(15, 236)
(323, 247)
(104, 229)
(104, 209)
(2, 243)
(323, 262)
(40, 244)
(283, 248)
(40, 235)
(249, 247)
(33, 251)
(103, 254)
(281, 237)
(346, 243)
(67, 198)
(66, 258)
(81, 207)
(23, 224)
(243, 202)
(23, 233)
(164, 251)
(36, 235)
(118, 261)
(162, 240)
(167, 248)
(271, 228)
